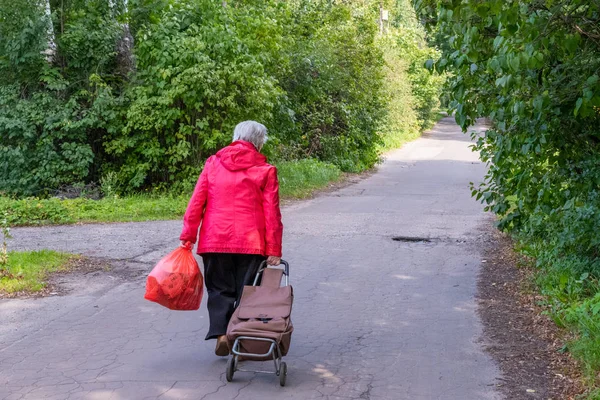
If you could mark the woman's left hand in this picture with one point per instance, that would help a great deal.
(274, 261)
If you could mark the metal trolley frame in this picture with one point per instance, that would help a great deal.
(274, 350)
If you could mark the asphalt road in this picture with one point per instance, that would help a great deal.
(374, 318)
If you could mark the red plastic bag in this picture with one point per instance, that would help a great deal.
(176, 281)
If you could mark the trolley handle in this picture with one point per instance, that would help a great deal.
(263, 266)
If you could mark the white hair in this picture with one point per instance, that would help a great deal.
(251, 131)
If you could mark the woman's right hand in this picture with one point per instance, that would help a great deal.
(273, 261)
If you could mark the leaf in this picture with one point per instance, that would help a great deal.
(571, 43)
(498, 40)
(578, 106)
(494, 64)
(514, 63)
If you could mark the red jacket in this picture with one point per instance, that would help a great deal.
(237, 201)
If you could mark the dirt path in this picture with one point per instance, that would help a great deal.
(375, 318)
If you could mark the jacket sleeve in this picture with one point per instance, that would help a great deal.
(274, 227)
(195, 209)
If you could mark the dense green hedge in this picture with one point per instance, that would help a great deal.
(533, 69)
(79, 103)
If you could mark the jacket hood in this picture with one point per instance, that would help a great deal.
(240, 155)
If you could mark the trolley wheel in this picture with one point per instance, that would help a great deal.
(230, 369)
(282, 373)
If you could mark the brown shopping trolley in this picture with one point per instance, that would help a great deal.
(260, 328)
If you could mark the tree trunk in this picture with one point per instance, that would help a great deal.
(50, 51)
(125, 58)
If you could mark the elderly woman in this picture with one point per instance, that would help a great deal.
(236, 200)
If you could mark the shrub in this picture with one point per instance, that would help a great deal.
(334, 86)
(198, 74)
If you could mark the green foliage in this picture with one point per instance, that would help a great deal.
(109, 185)
(593, 395)
(412, 92)
(412, 47)
(43, 142)
(82, 101)
(334, 85)
(23, 38)
(585, 316)
(200, 70)
(54, 106)
(28, 271)
(402, 121)
(532, 68)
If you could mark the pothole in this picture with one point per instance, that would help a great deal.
(412, 239)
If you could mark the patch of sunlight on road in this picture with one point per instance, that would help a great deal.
(324, 373)
(404, 277)
(465, 307)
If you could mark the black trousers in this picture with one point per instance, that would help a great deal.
(225, 275)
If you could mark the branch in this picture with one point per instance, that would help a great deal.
(588, 34)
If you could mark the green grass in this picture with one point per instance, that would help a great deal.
(298, 179)
(593, 395)
(131, 208)
(34, 211)
(27, 271)
(397, 140)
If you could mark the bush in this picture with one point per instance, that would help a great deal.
(53, 113)
(44, 143)
(335, 86)
(199, 72)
